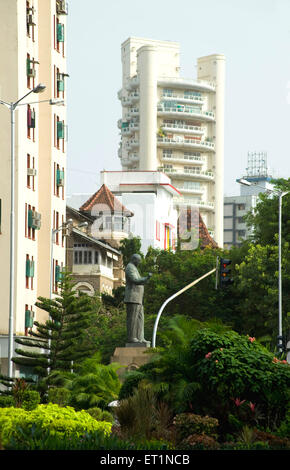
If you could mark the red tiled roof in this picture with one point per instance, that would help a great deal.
(104, 197)
(194, 220)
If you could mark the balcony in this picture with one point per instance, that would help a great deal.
(127, 131)
(185, 143)
(187, 84)
(185, 111)
(133, 112)
(183, 128)
(134, 97)
(190, 99)
(132, 83)
(202, 205)
(134, 126)
(192, 172)
(132, 143)
(183, 160)
(133, 157)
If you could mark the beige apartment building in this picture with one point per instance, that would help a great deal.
(33, 51)
(175, 124)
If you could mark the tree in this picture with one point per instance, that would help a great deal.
(53, 345)
(264, 218)
(128, 247)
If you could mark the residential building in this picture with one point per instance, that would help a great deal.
(149, 195)
(96, 266)
(236, 207)
(33, 51)
(175, 124)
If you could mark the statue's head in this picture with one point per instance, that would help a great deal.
(136, 259)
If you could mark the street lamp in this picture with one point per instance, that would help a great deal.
(12, 107)
(280, 194)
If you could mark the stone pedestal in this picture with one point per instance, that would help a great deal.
(131, 357)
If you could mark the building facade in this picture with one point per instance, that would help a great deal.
(175, 124)
(149, 195)
(95, 265)
(236, 207)
(33, 51)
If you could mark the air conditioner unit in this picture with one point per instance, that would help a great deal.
(36, 220)
(31, 171)
(61, 7)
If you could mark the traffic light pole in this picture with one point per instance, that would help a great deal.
(217, 272)
(173, 297)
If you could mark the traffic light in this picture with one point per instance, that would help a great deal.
(224, 273)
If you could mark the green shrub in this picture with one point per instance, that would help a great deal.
(188, 424)
(131, 382)
(199, 442)
(31, 399)
(61, 422)
(100, 415)
(59, 396)
(6, 401)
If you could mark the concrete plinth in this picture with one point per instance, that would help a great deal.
(131, 357)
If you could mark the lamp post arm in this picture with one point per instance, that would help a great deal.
(173, 297)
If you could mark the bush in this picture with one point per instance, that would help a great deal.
(59, 396)
(61, 422)
(188, 424)
(101, 415)
(6, 401)
(199, 442)
(31, 399)
(131, 381)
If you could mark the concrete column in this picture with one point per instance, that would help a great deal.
(212, 68)
(147, 68)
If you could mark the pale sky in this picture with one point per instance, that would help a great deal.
(254, 35)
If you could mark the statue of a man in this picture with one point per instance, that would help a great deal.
(134, 292)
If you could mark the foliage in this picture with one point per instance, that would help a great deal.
(59, 396)
(31, 400)
(264, 218)
(61, 422)
(257, 284)
(95, 385)
(199, 442)
(142, 416)
(215, 371)
(57, 342)
(6, 401)
(188, 424)
(128, 247)
(100, 415)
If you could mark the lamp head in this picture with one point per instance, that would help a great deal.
(39, 88)
(244, 181)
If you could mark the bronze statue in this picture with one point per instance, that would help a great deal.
(134, 292)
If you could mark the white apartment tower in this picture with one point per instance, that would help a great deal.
(175, 124)
(33, 51)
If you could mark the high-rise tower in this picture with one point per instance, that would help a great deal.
(175, 124)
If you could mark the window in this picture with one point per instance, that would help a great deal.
(29, 272)
(29, 319)
(157, 230)
(30, 122)
(241, 207)
(59, 132)
(191, 185)
(30, 172)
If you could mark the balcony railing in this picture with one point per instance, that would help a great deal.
(203, 205)
(183, 99)
(189, 172)
(207, 115)
(183, 128)
(184, 159)
(186, 142)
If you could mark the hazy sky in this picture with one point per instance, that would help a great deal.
(254, 35)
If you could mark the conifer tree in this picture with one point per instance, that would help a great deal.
(55, 345)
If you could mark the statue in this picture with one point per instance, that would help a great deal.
(134, 292)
